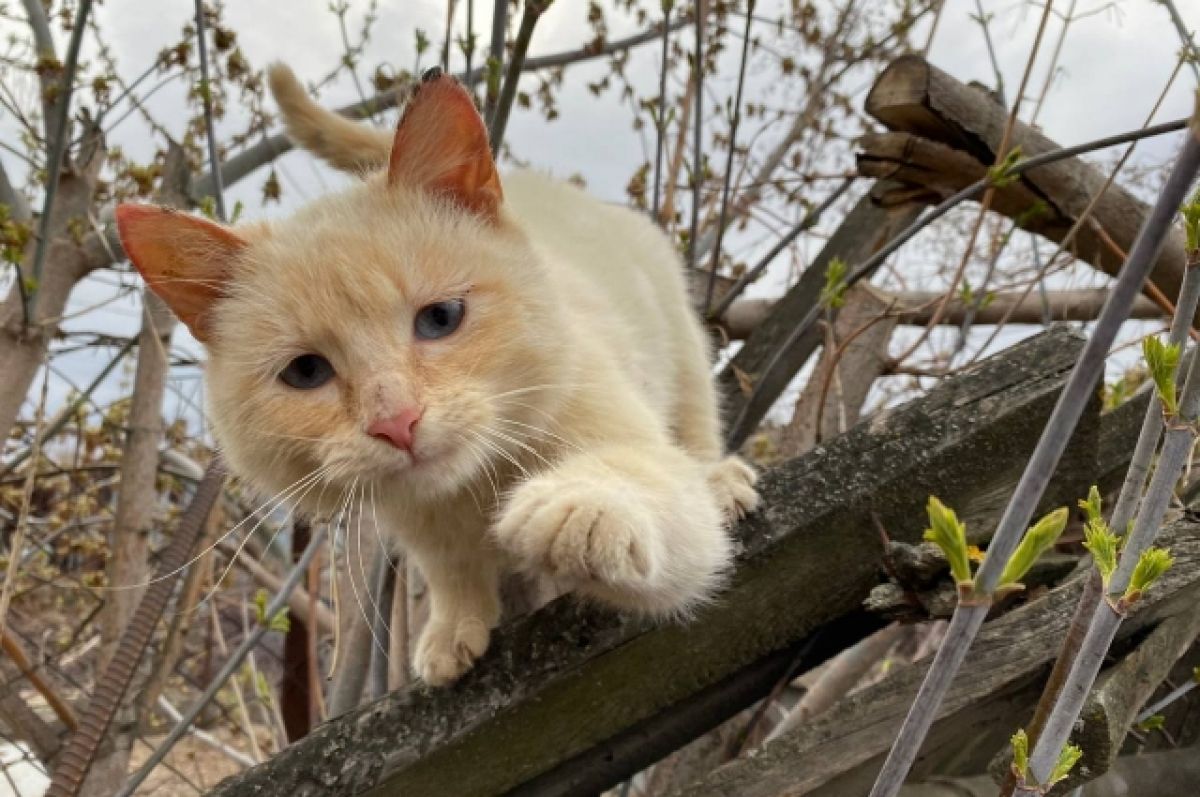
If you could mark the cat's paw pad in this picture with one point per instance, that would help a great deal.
(732, 483)
(578, 531)
(447, 650)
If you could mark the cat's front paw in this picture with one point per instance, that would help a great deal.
(732, 483)
(579, 531)
(446, 650)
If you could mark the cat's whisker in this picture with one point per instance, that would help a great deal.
(520, 391)
(246, 541)
(379, 534)
(517, 442)
(499, 450)
(485, 468)
(301, 438)
(367, 586)
(277, 500)
(340, 514)
(539, 430)
(544, 432)
(542, 411)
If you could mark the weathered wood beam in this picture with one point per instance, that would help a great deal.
(952, 123)
(564, 689)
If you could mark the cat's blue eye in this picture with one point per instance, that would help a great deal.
(307, 372)
(439, 319)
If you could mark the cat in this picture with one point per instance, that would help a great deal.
(508, 372)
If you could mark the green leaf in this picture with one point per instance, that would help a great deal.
(1154, 722)
(1163, 361)
(1001, 174)
(1191, 221)
(1091, 506)
(1032, 213)
(1103, 545)
(833, 294)
(949, 534)
(1150, 566)
(422, 41)
(1035, 542)
(260, 606)
(491, 72)
(279, 622)
(1020, 746)
(1067, 759)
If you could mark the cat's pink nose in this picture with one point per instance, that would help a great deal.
(398, 429)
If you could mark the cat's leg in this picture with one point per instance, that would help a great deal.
(464, 606)
(698, 428)
(636, 525)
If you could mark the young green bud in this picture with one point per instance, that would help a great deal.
(950, 535)
(1102, 544)
(833, 293)
(1067, 760)
(1163, 361)
(1039, 537)
(1150, 566)
(1020, 746)
(1001, 175)
(1191, 221)
(1091, 505)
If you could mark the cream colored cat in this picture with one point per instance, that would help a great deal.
(511, 375)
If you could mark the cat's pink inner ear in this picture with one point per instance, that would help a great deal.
(184, 259)
(441, 146)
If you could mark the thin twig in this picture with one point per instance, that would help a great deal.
(733, 128)
(58, 147)
(529, 19)
(661, 115)
(209, 124)
(697, 132)
(1185, 36)
(983, 19)
(495, 56)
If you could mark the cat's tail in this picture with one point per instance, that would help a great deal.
(344, 144)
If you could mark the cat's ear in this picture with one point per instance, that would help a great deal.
(441, 146)
(184, 259)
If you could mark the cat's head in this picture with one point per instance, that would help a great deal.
(399, 334)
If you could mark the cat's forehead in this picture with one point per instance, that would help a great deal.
(365, 253)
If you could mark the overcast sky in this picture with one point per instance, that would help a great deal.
(1113, 65)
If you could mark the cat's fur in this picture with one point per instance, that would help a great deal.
(569, 426)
